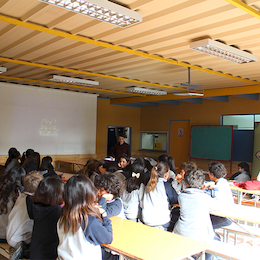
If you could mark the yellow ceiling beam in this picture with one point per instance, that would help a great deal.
(245, 7)
(115, 47)
(207, 93)
(86, 73)
(68, 85)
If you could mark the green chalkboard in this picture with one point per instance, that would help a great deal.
(212, 142)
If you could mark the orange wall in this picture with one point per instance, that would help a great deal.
(113, 115)
(149, 118)
(207, 113)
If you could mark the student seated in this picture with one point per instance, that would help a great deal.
(90, 168)
(243, 173)
(46, 168)
(133, 193)
(20, 226)
(220, 191)
(158, 196)
(178, 183)
(112, 167)
(82, 226)
(194, 221)
(26, 156)
(110, 189)
(125, 164)
(10, 184)
(13, 159)
(45, 210)
(171, 163)
(33, 163)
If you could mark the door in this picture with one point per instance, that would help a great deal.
(179, 141)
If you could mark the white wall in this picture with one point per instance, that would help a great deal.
(47, 120)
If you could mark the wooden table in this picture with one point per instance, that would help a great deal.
(241, 191)
(73, 162)
(65, 176)
(242, 213)
(139, 241)
(239, 212)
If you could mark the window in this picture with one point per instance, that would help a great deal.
(240, 122)
(155, 141)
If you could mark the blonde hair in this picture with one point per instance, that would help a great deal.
(31, 181)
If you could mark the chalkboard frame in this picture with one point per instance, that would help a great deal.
(227, 134)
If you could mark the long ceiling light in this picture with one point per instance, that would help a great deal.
(223, 51)
(146, 91)
(189, 94)
(102, 10)
(74, 81)
(3, 69)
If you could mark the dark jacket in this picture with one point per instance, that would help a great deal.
(44, 236)
(11, 165)
(31, 167)
(121, 149)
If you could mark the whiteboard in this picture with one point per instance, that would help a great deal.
(49, 121)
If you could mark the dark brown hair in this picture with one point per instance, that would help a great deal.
(188, 166)
(110, 183)
(133, 182)
(80, 196)
(49, 191)
(9, 187)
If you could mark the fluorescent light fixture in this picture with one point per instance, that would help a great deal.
(74, 81)
(102, 10)
(223, 51)
(189, 94)
(146, 91)
(3, 69)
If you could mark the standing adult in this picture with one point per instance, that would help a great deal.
(121, 148)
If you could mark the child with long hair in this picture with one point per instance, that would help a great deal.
(134, 192)
(33, 163)
(45, 209)
(26, 155)
(46, 168)
(20, 226)
(12, 160)
(82, 226)
(158, 196)
(10, 185)
(125, 164)
(171, 163)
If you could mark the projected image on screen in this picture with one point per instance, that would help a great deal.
(48, 121)
(48, 128)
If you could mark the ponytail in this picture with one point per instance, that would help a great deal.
(156, 172)
(153, 180)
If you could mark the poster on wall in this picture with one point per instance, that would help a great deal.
(180, 132)
(256, 152)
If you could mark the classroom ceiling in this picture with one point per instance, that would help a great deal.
(39, 40)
